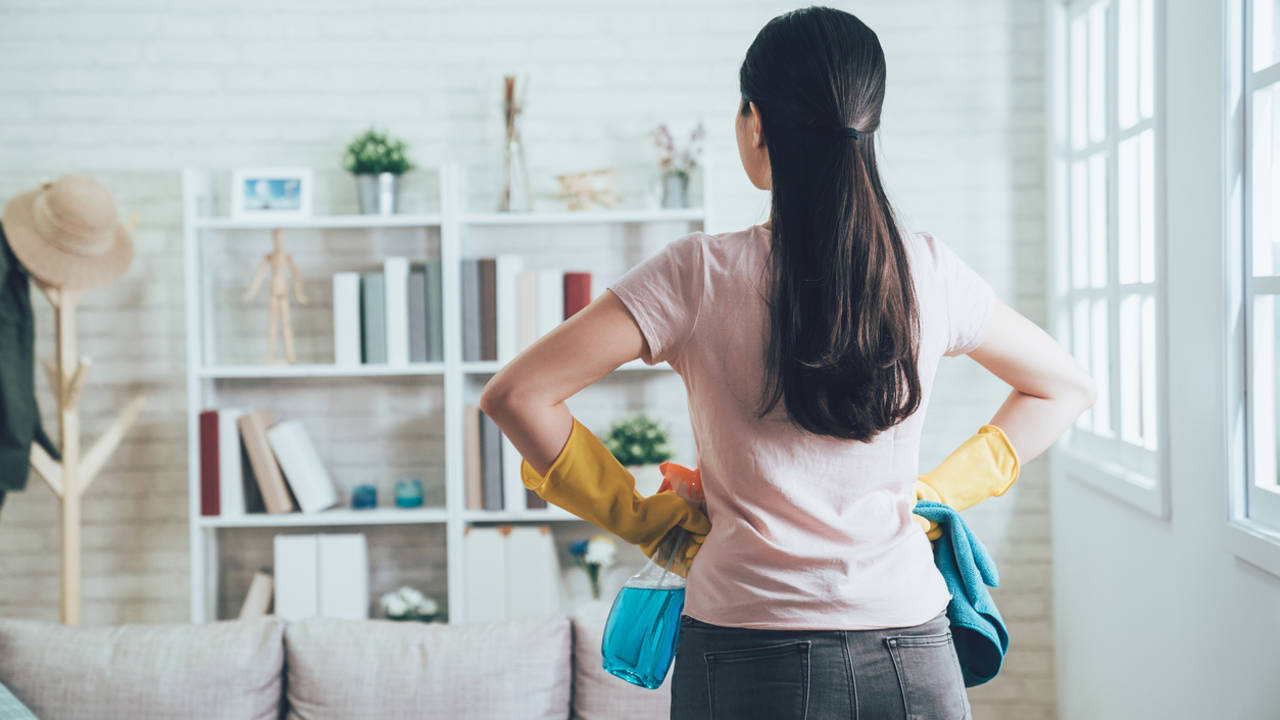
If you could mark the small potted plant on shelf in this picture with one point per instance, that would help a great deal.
(409, 604)
(640, 444)
(677, 164)
(593, 556)
(377, 161)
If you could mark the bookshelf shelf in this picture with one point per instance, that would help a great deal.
(376, 516)
(446, 387)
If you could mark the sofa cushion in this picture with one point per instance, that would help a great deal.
(385, 669)
(226, 669)
(598, 695)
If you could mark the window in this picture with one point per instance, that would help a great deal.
(1106, 227)
(1260, 256)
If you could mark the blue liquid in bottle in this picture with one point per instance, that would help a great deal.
(641, 634)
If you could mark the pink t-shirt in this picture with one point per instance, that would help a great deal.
(808, 531)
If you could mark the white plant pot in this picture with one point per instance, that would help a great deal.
(648, 478)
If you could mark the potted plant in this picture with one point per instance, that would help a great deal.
(377, 161)
(640, 444)
(677, 164)
(593, 556)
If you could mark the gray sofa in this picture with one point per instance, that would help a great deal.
(323, 668)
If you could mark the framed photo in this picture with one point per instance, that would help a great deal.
(271, 192)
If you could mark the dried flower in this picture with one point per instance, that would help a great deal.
(676, 160)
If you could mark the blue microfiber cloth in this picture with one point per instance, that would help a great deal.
(978, 630)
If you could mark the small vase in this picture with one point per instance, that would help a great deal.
(379, 194)
(648, 478)
(516, 194)
(675, 190)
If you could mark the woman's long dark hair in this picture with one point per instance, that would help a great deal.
(843, 345)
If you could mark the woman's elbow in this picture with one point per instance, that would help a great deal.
(1086, 391)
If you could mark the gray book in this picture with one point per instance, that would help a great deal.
(373, 325)
(470, 268)
(435, 312)
(491, 465)
(417, 313)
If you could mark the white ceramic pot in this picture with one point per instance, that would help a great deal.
(648, 478)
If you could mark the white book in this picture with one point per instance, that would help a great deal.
(506, 267)
(484, 566)
(533, 573)
(513, 489)
(550, 300)
(527, 308)
(295, 571)
(346, 319)
(396, 272)
(302, 466)
(343, 585)
(230, 464)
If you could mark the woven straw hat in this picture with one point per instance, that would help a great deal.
(67, 233)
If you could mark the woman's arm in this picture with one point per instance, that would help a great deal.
(526, 397)
(1050, 388)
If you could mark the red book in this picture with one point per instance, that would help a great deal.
(210, 497)
(577, 292)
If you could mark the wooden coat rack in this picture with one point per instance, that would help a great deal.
(72, 476)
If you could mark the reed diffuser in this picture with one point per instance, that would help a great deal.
(515, 187)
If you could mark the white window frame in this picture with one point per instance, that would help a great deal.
(1134, 474)
(1254, 520)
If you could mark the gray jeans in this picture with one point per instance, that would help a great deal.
(731, 673)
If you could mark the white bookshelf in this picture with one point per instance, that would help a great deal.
(206, 374)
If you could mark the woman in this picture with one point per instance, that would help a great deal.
(808, 345)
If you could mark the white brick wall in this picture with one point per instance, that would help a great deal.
(131, 90)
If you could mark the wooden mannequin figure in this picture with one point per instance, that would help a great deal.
(276, 261)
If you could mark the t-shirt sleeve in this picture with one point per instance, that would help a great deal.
(664, 295)
(968, 298)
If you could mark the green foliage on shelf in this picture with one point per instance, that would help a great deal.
(374, 152)
(638, 440)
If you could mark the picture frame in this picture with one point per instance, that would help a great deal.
(277, 192)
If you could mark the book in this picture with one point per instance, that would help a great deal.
(210, 497)
(550, 300)
(506, 304)
(469, 271)
(302, 466)
(343, 582)
(526, 309)
(487, 269)
(472, 456)
(491, 462)
(417, 313)
(532, 572)
(484, 573)
(230, 463)
(373, 323)
(253, 429)
(395, 272)
(296, 573)
(513, 489)
(258, 599)
(577, 292)
(435, 311)
(346, 319)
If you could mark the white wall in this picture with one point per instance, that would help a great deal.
(132, 90)
(1158, 618)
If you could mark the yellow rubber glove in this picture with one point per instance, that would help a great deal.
(588, 481)
(985, 465)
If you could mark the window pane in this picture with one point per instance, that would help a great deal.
(1130, 369)
(1146, 59)
(1149, 372)
(1077, 66)
(1100, 367)
(1129, 39)
(1097, 72)
(1265, 33)
(1098, 220)
(1127, 210)
(1265, 163)
(1079, 237)
(1147, 200)
(1263, 392)
(1080, 347)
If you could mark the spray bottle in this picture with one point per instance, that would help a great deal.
(643, 627)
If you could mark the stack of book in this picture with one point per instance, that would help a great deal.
(493, 466)
(510, 572)
(392, 316)
(251, 463)
(506, 307)
(321, 575)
